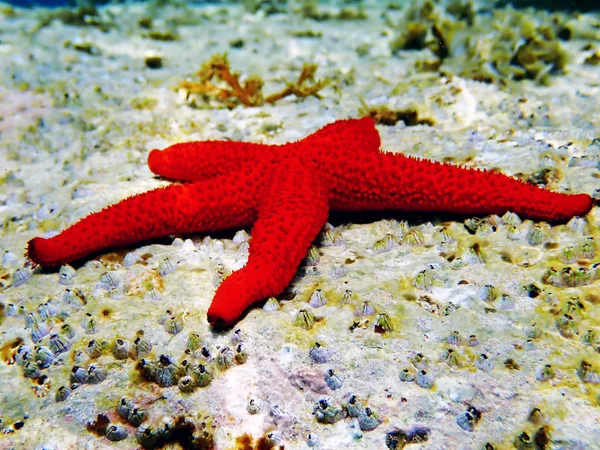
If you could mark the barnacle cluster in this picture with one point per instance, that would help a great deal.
(62, 355)
(327, 410)
(216, 82)
(68, 330)
(398, 438)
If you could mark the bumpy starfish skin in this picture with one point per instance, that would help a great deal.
(216, 204)
(293, 212)
(286, 191)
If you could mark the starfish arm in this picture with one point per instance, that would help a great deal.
(393, 181)
(289, 219)
(177, 209)
(332, 144)
(196, 161)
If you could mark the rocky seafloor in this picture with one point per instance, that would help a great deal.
(420, 331)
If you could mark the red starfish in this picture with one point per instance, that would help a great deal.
(286, 191)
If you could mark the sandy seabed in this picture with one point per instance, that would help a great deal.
(80, 109)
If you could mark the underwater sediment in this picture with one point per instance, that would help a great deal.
(399, 330)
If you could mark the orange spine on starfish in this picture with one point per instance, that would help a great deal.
(175, 209)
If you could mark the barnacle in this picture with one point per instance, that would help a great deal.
(173, 325)
(67, 331)
(305, 319)
(95, 374)
(89, 324)
(349, 297)
(57, 344)
(424, 279)
(225, 358)
(327, 411)
(473, 341)
(396, 439)
(353, 406)
(364, 309)
(407, 375)
(241, 354)
(62, 393)
(383, 323)
(333, 381)
(545, 373)
(66, 274)
(454, 338)
(319, 354)
(194, 341)
(484, 363)
(271, 305)
(451, 357)
(201, 376)
(39, 330)
(588, 373)
(94, 348)
(186, 384)
(424, 379)
(317, 299)
(368, 419)
(338, 270)
(120, 349)
(116, 433)
(43, 357)
(312, 256)
(163, 371)
(469, 418)
(141, 347)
